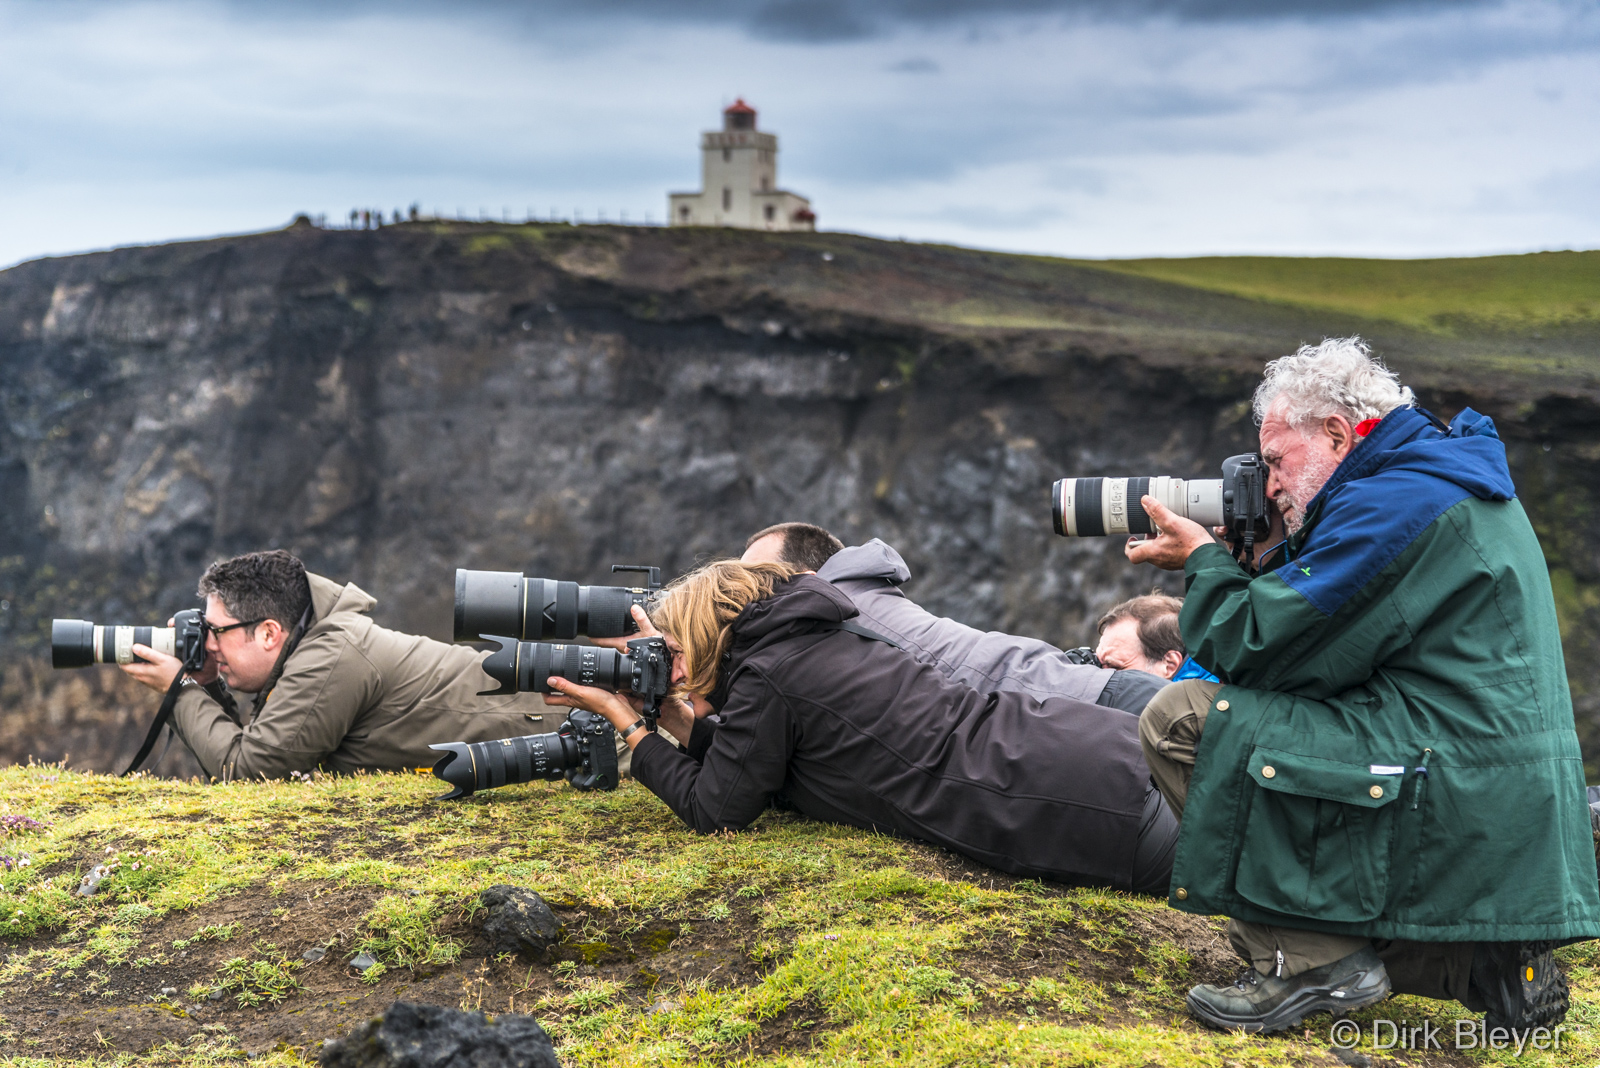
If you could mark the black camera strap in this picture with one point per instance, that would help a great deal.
(821, 626)
(163, 717)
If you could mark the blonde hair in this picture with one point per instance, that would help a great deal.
(698, 610)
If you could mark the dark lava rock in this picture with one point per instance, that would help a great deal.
(520, 922)
(432, 1036)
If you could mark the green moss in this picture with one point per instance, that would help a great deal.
(867, 951)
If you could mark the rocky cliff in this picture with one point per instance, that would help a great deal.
(392, 404)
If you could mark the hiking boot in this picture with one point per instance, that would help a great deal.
(1256, 1002)
(1521, 984)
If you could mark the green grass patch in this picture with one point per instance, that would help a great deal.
(265, 978)
(857, 948)
(1542, 289)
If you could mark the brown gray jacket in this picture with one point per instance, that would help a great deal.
(355, 695)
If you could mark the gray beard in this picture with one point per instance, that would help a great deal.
(1292, 501)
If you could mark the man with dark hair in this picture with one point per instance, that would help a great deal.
(1142, 634)
(804, 545)
(346, 694)
(871, 576)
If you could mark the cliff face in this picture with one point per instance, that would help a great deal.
(390, 405)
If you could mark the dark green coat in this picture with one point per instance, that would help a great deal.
(1412, 627)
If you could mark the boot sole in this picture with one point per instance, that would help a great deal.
(1550, 995)
(1295, 1009)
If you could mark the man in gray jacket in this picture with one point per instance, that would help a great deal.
(988, 661)
(345, 694)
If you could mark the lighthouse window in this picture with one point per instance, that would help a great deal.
(770, 212)
(727, 155)
(727, 198)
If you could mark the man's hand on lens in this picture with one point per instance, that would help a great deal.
(1171, 548)
(646, 630)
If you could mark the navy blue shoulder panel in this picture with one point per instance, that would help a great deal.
(1393, 487)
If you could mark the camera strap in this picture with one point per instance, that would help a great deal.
(163, 718)
(821, 626)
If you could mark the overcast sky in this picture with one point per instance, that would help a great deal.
(1071, 127)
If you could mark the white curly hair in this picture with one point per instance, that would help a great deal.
(1338, 377)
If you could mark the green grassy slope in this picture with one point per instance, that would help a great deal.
(1447, 296)
(793, 943)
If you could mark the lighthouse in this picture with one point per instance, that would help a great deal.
(739, 181)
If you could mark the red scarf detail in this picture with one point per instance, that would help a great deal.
(1366, 426)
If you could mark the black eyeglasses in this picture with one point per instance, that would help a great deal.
(217, 632)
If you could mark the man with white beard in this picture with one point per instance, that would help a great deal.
(1385, 791)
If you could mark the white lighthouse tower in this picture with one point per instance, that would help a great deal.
(739, 181)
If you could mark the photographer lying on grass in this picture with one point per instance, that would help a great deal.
(345, 693)
(871, 576)
(850, 729)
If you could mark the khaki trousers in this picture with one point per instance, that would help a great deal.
(1169, 732)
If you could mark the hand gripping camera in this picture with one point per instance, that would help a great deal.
(1092, 507)
(583, 750)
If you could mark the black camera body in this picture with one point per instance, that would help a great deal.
(1244, 501)
(76, 643)
(583, 750)
(503, 602)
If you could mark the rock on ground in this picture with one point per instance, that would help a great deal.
(432, 1036)
(519, 921)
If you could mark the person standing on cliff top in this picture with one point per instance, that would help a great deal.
(1385, 789)
(331, 689)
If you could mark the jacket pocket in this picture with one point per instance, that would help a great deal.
(1318, 836)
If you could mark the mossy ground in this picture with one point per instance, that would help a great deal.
(791, 943)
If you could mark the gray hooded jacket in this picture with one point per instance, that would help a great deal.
(988, 661)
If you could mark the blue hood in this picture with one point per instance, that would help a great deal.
(1401, 478)
(1468, 454)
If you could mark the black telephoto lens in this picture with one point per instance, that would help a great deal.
(583, 752)
(71, 643)
(531, 609)
(527, 666)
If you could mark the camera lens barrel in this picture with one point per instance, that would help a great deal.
(1093, 507)
(583, 752)
(531, 609)
(527, 666)
(78, 643)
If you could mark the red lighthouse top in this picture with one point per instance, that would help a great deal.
(739, 116)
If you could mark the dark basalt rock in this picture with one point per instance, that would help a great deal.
(432, 1036)
(519, 921)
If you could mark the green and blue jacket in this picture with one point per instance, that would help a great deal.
(1392, 753)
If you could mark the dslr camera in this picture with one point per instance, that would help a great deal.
(507, 609)
(76, 643)
(582, 751)
(1093, 507)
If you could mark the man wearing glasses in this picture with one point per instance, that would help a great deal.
(319, 684)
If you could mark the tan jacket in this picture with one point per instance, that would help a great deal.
(356, 695)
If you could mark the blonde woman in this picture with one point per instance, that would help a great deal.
(847, 728)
